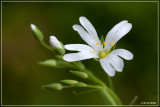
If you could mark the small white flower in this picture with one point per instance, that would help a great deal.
(110, 59)
(54, 42)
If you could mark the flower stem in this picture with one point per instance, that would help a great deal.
(46, 46)
(108, 96)
(107, 92)
(114, 96)
(110, 82)
(92, 77)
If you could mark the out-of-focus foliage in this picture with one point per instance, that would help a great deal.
(23, 76)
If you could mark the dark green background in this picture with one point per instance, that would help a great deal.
(23, 77)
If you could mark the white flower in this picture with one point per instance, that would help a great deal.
(54, 42)
(110, 59)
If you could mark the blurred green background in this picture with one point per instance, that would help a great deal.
(23, 77)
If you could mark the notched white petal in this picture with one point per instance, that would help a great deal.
(107, 67)
(79, 47)
(123, 31)
(84, 35)
(77, 56)
(117, 32)
(116, 62)
(123, 53)
(89, 28)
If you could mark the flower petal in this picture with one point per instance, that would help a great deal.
(116, 62)
(89, 27)
(85, 36)
(77, 56)
(54, 42)
(123, 53)
(79, 47)
(117, 32)
(107, 67)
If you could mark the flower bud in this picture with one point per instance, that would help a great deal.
(80, 74)
(57, 45)
(37, 33)
(55, 86)
(70, 82)
(80, 84)
(49, 62)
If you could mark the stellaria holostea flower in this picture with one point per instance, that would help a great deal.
(110, 59)
(56, 45)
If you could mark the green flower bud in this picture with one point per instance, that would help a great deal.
(49, 62)
(57, 45)
(37, 33)
(70, 82)
(80, 74)
(80, 84)
(55, 86)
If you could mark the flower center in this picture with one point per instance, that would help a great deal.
(102, 54)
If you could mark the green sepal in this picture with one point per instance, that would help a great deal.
(102, 39)
(55, 86)
(80, 84)
(59, 56)
(79, 74)
(70, 82)
(96, 59)
(37, 32)
(113, 47)
(60, 51)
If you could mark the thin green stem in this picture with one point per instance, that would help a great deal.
(110, 95)
(105, 93)
(94, 86)
(46, 46)
(134, 100)
(92, 77)
(84, 92)
(110, 82)
(114, 95)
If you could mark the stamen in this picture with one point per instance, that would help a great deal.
(96, 43)
(104, 43)
(109, 50)
(107, 54)
(94, 50)
(112, 44)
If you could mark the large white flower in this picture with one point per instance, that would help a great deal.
(110, 59)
